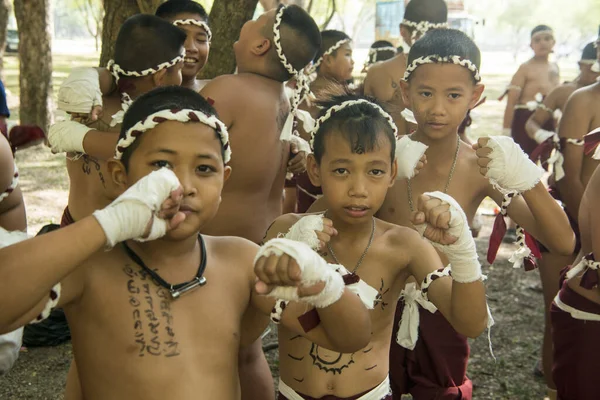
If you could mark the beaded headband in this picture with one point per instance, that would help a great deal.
(185, 115)
(330, 50)
(192, 21)
(302, 84)
(435, 59)
(331, 111)
(116, 70)
(423, 27)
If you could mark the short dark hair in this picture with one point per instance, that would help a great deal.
(589, 52)
(381, 55)
(329, 38)
(540, 28)
(146, 41)
(300, 41)
(435, 11)
(360, 124)
(446, 43)
(172, 8)
(162, 98)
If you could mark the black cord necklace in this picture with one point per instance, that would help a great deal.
(180, 288)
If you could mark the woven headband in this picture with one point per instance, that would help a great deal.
(423, 27)
(116, 70)
(435, 59)
(331, 111)
(302, 84)
(380, 49)
(184, 115)
(192, 21)
(330, 50)
(550, 31)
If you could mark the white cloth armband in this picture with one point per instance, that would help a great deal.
(542, 135)
(128, 216)
(509, 167)
(67, 137)
(408, 154)
(305, 230)
(408, 327)
(314, 270)
(80, 92)
(462, 254)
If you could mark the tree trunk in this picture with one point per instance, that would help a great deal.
(227, 18)
(115, 13)
(5, 8)
(35, 66)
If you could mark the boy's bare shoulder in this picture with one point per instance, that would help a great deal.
(397, 236)
(225, 244)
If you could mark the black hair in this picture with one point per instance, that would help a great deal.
(146, 41)
(540, 28)
(172, 8)
(162, 98)
(589, 52)
(300, 41)
(435, 11)
(361, 124)
(446, 43)
(328, 39)
(381, 55)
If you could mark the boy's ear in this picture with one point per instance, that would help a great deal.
(477, 92)
(313, 171)
(404, 88)
(394, 173)
(158, 77)
(118, 174)
(261, 46)
(226, 173)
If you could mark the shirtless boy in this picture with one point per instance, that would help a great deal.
(441, 84)
(254, 106)
(380, 50)
(383, 79)
(135, 335)
(354, 163)
(534, 78)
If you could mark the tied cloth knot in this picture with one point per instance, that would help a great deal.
(589, 266)
(408, 328)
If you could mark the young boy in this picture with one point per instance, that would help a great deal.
(253, 104)
(380, 50)
(575, 312)
(534, 78)
(354, 163)
(441, 83)
(160, 338)
(383, 80)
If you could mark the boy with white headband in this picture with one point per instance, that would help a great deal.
(383, 80)
(531, 83)
(163, 315)
(380, 50)
(253, 104)
(354, 144)
(441, 84)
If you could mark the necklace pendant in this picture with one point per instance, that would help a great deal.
(176, 293)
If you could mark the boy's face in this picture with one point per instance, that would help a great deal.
(355, 185)
(193, 152)
(196, 45)
(542, 43)
(340, 65)
(440, 95)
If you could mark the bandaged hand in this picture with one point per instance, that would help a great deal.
(67, 137)
(145, 211)
(80, 92)
(89, 118)
(300, 149)
(441, 220)
(505, 164)
(410, 156)
(314, 230)
(542, 135)
(291, 271)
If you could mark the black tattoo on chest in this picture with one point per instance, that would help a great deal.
(152, 317)
(91, 164)
(379, 298)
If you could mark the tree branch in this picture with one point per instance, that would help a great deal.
(330, 17)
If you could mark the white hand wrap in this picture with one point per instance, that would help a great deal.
(128, 216)
(542, 135)
(67, 136)
(314, 270)
(301, 143)
(80, 92)
(11, 237)
(462, 255)
(305, 230)
(408, 154)
(510, 168)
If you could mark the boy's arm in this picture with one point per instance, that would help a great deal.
(75, 137)
(573, 125)
(534, 124)
(514, 93)
(12, 207)
(592, 194)
(106, 81)
(345, 325)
